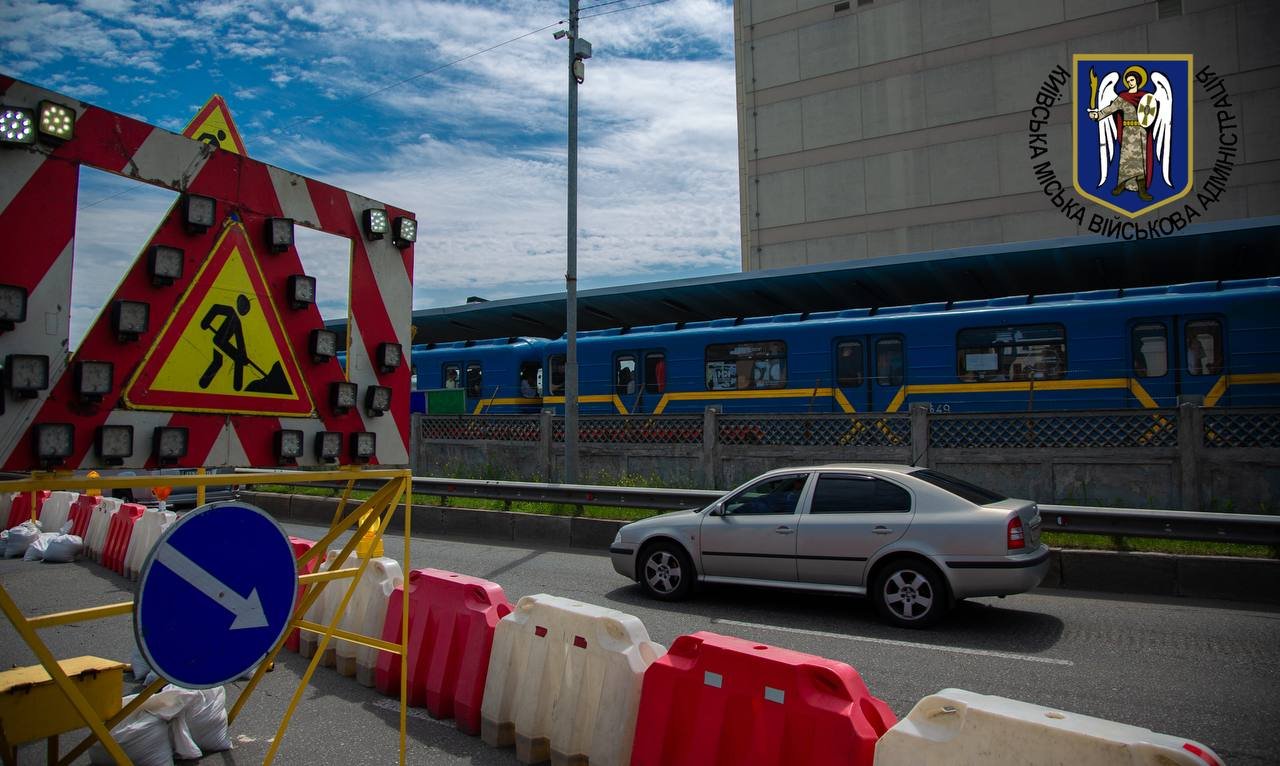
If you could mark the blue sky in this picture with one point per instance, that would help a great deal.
(328, 88)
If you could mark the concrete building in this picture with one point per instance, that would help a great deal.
(879, 127)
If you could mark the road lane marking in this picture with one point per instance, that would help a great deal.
(907, 644)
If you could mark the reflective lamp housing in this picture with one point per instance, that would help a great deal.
(328, 446)
(288, 445)
(13, 306)
(342, 396)
(324, 345)
(404, 232)
(114, 444)
(363, 445)
(165, 265)
(375, 224)
(54, 442)
(129, 319)
(26, 374)
(279, 234)
(94, 379)
(302, 291)
(57, 122)
(17, 126)
(377, 400)
(198, 213)
(170, 444)
(390, 357)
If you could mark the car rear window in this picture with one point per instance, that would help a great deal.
(858, 494)
(959, 487)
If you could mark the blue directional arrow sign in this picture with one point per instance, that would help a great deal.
(216, 594)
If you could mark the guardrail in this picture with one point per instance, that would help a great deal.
(1134, 522)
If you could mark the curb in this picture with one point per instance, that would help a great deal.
(1227, 578)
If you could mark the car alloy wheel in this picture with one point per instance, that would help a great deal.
(666, 572)
(910, 594)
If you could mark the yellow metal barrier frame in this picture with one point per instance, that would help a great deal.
(371, 516)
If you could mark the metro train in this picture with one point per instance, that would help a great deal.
(1215, 343)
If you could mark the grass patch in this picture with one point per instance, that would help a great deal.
(1078, 541)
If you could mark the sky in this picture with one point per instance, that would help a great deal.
(357, 94)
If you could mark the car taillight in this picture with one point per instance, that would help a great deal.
(1017, 539)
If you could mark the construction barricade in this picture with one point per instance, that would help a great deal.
(365, 614)
(146, 532)
(99, 523)
(956, 726)
(321, 613)
(716, 699)
(20, 508)
(119, 534)
(452, 620)
(56, 510)
(300, 546)
(82, 512)
(564, 682)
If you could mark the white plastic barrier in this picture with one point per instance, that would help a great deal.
(321, 612)
(364, 615)
(56, 510)
(6, 505)
(146, 531)
(956, 726)
(564, 682)
(95, 537)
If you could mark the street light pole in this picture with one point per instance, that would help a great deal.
(571, 272)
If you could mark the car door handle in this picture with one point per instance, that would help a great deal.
(881, 530)
(784, 530)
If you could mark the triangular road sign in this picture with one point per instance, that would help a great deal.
(224, 348)
(213, 125)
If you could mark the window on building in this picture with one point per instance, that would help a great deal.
(858, 494)
(849, 363)
(1023, 352)
(748, 365)
(655, 373)
(1204, 347)
(889, 362)
(1150, 350)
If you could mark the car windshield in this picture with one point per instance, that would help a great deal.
(971, 492)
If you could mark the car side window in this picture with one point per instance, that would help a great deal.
(858, 494)
(779, 495)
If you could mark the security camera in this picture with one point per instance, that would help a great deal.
(560, 34)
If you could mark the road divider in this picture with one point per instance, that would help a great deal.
(82, 513)
(99, 524)
(119, 535)
(300, 546)
(20, 507)
(56, 510)
(146, 532)
(364, 615)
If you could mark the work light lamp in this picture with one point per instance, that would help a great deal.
(165, 265)
(375, 224)
(328, 446)
(129, 319)
(302, 291)
(170, 444)
(342, 396)
(26, 374)
(13, 306)
(198, 213)
(405, 232)
(57, 122)
(377, 400)
(94, 379)
(363, 445)
(17, 126)
(279, 234)
(390, 356)
(53, 442)
(288, 445)
(114, 443)
(324, 345)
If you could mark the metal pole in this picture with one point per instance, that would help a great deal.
(571, 273)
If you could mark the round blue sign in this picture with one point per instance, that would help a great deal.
(216, 593)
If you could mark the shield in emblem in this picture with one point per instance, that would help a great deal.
(1132, 129)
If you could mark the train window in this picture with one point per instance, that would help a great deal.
(624, 375)
(451, 374)
(1204, 347)
(1023, 352)
(889, 362)
(1150, 350)
(849, 363)
(556, 363)
(530, 385)
(474, 374)
(655, 373)
(740, 366)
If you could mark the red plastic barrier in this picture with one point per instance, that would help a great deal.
(20, 510)
(452, 619)
(118, 535)
(300, 546)
(716, 699)
(81, 512)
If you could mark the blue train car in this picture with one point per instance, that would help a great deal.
(503, 375)
(1216, 343)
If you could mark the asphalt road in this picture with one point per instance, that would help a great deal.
(1206, 671)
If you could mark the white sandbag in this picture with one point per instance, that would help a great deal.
(206, 720)
(35, 551)
(143, 736)
(184, 747)
(139, 666)
(20, 538)
(63, 549)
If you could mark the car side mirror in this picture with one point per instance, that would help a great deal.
(718, 510)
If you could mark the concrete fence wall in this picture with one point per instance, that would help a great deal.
(1184, 472)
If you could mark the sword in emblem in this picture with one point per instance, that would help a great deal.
(1093, 89)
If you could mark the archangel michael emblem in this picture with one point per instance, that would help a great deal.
(1132, 124)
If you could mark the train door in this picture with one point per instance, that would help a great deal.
(626, 380)
(851, 373)
(1202, 364)
(653, 381)
(890, 371)
(1149, 364)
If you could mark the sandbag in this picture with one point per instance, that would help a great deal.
(63, 549)
(206, 720)
(20, 538)
(143, 736)
(35, 551)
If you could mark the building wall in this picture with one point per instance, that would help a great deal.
(900, 126)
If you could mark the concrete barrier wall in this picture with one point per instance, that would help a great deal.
(1218, 577)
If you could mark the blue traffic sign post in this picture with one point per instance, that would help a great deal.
(216, 594)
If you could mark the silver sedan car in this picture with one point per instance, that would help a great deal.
(913, 539)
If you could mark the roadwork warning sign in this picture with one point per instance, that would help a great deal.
(213, 125)
(224, 348)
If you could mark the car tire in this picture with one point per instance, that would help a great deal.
(910, 593)
(665, 571)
